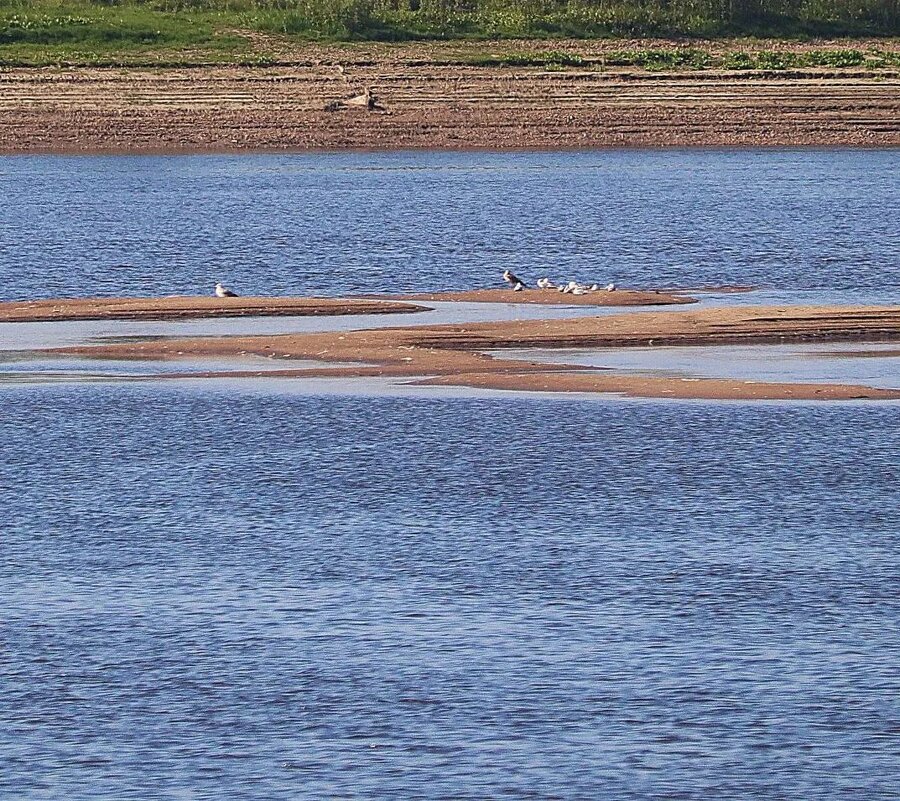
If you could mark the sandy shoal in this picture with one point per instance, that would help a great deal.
(185, 308)
(551, 297)
(456, 354)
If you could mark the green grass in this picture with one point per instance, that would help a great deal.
(95, 33)
(780, 60)
(693, 58)
(212, 31)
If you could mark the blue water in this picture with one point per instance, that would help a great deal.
(307, 224)
(252, 591)
(209, 595)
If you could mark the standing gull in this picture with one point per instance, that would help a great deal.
(513, 280)
(224, 292)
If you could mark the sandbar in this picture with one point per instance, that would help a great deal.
(187, 307)
(552, 297)
(456, 354)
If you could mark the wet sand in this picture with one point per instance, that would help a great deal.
(862, 353)
(432, 96)
(601, 297)
(456, 354)
(205, 307)
(187, 308)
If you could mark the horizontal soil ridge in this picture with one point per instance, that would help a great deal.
(426, 104)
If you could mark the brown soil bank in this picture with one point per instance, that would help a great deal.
(453, 354)
(184, 308)
(421, 101)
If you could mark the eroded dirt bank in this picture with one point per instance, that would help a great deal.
(424, 100)
(455, 354)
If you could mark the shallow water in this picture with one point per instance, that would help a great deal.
(18, 368)
(269, 590)
(33, 336)
(874, 365)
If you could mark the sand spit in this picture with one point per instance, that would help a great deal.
(662, 387)
(863, 353)
(455, 354)
(185, 308)
(424, 102)
(550, 297)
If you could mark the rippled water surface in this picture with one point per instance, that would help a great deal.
(261, 591)
(418, 221)
(259, 596)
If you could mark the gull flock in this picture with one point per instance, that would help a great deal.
(569, 288)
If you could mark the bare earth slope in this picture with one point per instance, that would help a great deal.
(422, 101)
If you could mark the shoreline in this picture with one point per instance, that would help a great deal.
(200, 150)
(434, 97)
(456, 354)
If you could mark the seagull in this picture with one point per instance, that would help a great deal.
(224, 292)
(512, 279)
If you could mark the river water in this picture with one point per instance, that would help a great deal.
(365, 222)
(258, 591)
